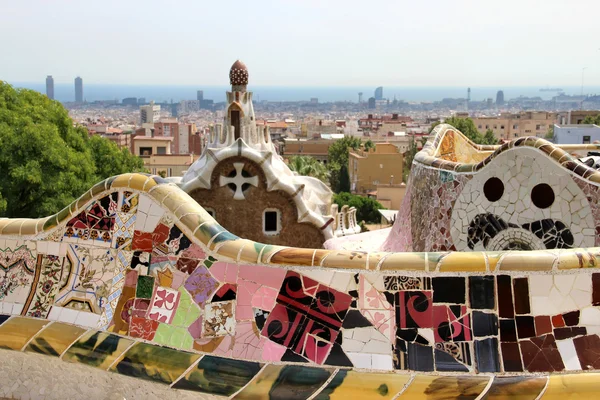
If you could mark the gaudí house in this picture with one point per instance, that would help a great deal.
(240, 280)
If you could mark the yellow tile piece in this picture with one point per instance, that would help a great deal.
(13, 227)
(573, 386)
(578, 258)
(516, 387)
(295, 256)
(55, 339)
(121, 181)
(463, 262)
(17, 331)
(192, 221)
(374, 259)
(231, 248)
(527, 261)
(432, 387)
(352, 385)
(404, 262)
(97, 349)
(29, 227)
(261, 384)
(137, 181)
(344, 259)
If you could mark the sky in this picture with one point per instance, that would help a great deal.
(304, 42)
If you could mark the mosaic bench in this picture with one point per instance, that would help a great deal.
(137, 279)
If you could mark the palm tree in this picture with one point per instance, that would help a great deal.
(309, 166)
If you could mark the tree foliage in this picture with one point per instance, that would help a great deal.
(344, 184)
(468, 128)
(309, 166)
(550, 134)
(595, 120)
(369, 145)
(45, 161)
(338, 156)
(366, 208)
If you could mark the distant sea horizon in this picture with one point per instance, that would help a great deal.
(65, 92)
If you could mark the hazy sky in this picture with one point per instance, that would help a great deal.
(304, 42)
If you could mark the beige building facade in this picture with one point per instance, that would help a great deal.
(168, 165)
(390, 195)
(367, 169)
(509, 126)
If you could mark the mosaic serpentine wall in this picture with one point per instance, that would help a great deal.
(525, 195)
(136, 278)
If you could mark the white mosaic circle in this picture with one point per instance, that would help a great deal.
(520, 170)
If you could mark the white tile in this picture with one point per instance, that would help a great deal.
(319, 275)
(360, 360)
(68, 315)
(541, 285)
(144, 203)
(568, 354)
(151, 223)
(17, 308)
(7, 307)
(54, 314)
(53, 248)
(87, 319)
(382, 362)
(140, 221)
(427, 333)
(590, 316)
(564, 283)
(156, 210)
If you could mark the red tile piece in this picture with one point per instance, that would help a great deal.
(142, 241)
(542, 325)
(558, 321)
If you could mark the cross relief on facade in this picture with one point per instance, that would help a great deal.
(239, 180)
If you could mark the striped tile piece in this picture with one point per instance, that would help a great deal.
(285, 382)
(97, 349)
(432, 387)
(55, 339)
(573, 386)
(154, 363)
(516, 387)
(219, 376)
(351, 385)
(16, 332)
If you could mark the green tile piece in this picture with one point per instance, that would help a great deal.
(187, 310)
(219, 376)
(145, 287)
(173, 336)
(154, 363)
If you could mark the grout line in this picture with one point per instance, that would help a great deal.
(324, 385)
(250, 381)
(188, 369)
(405, 387)
(545, 388)
(486, 389)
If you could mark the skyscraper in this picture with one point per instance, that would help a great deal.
(200, 95)
(372, 102)
(500, 98)
(379, 93)
(78, 90)
(360, 94)
(50, 87)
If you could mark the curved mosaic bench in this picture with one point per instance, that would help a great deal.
(136, 278)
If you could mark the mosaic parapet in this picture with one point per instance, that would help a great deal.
(240, 379)
(527, 194)
(136, 278)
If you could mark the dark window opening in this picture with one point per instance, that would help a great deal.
(271, 221)
(145, 151)
(586, 140)
(493, 189)
(235, 121)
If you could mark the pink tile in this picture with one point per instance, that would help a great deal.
(131, 278)
(383, 320)
(224, 272)
(272, 351)
(224, 348)
(248, 342)
(272, 277)
(194, 251)
(195, 329)
(264, 298)
(178, 279)
(246, 291)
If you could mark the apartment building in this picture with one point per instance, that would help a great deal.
(509, 126)
(368, 169)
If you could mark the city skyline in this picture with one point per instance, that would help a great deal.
(323, 47)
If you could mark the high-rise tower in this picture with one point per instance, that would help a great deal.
(379, 93)
(360, 94)
(500, 98)
(50, 87)
(78, 90)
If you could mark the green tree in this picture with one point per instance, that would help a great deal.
(338, 156)
(309, 166)
(369, 145)
(366, 208)
(46, 162)
(489, 138)
(550, 133)
(468, 128)
(344, 185)
(409, 156)
(110, 160)
(595, 120)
